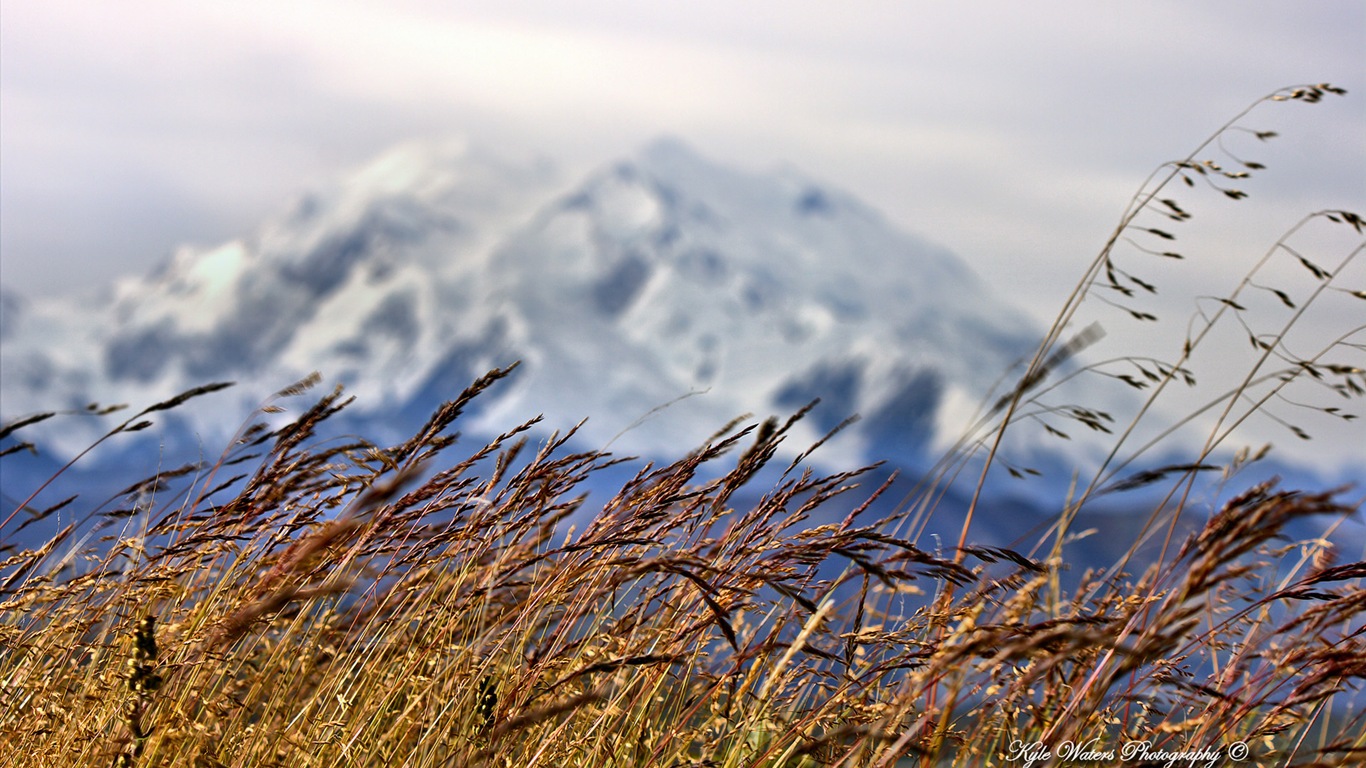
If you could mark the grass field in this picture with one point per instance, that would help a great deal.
(311, 602)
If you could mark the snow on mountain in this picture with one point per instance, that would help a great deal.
(663, 276)
(666, 274)
(366, 280)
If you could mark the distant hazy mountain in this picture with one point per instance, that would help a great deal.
(661, 276)
(659, 297)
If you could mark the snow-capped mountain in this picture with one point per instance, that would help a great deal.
(660, 297)
(663, 279)
(760, 291)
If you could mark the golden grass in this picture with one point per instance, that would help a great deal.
(347, 604)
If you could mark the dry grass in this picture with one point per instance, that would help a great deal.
(347, 604)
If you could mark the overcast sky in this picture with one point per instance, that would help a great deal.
(1011, 132)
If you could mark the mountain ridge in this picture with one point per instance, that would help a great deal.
(718, 290)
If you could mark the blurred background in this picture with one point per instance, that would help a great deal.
(1013, 134)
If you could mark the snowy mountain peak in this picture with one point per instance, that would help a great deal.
(763, 290)
(413, 168)
(661, 276)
